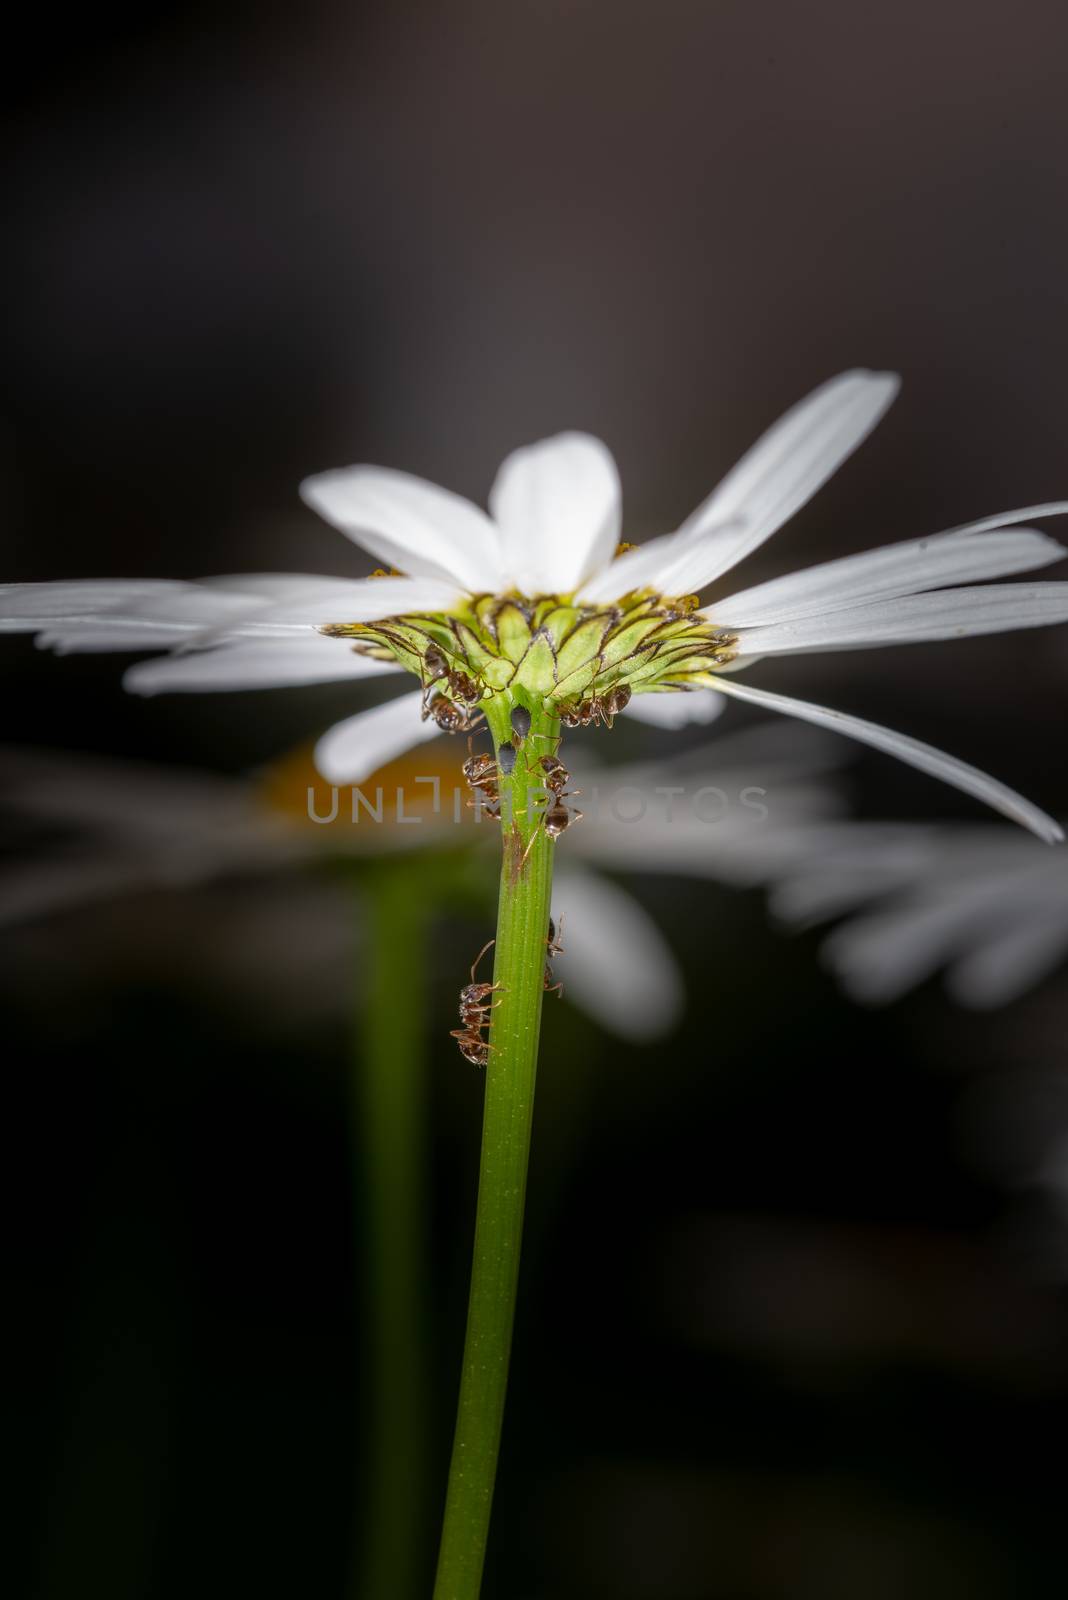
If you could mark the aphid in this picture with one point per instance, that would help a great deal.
(506, 760)
(520, 723)
(553, 947)
(475, 1015)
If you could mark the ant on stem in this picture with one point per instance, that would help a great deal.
(475, 1015)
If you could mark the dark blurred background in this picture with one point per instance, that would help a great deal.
(792, 1321)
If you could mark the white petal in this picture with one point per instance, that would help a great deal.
(91, 616)
(798, 454)
(771, 482)
(92, 638)
(942, 614)
(25, 607)
(879, 957)
(615, 964)
(412, 525)
(676, 709)
(896, 569)
(354, 749)
(1010, 962)
(672, 565)
(272, 665)
(558, 504)
(43, 888)
(345, 600)
(916, 754)
(1005, 519)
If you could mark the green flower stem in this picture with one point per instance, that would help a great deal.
(389, 1116)
(519, 970)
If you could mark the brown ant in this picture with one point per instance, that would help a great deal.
(555, 775)
(553, 948)
(436, 668)
(455, 712)
(475, 1015)
(449, 716)
(594, 708)
(556, 817)
(482, 775)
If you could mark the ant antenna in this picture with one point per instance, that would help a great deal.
(478, 958)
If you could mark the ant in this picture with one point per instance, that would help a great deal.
(475, 1015)
(449, 716)
(482, 774)
(553, 947)
(455, 712)
(603, 708)
(555, 774)
(556, 817)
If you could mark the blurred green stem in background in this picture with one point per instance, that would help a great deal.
(519, 970)
(389, 1099)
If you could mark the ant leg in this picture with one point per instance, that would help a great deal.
(529, 848)
(556, 989)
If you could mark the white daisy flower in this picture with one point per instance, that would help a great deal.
(984, 904)
(538, 600)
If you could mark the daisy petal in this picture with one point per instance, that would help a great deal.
(328, 600)
(615, 963)
(1009, 963)
(558, 505)
(670, 565)
(274, 665)
(25, 607)
(43, 888)
(411, 524)
(354, 749)
(771, 482)
(676, 710)
(794, 458)
(133, 616)
(880, 956)
(896, 569)
(93, 638)
(1005, 519)
(942, 614)
(916, 754)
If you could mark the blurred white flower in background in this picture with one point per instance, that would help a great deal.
(98, 829)
(987, 907)
(983, 904)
